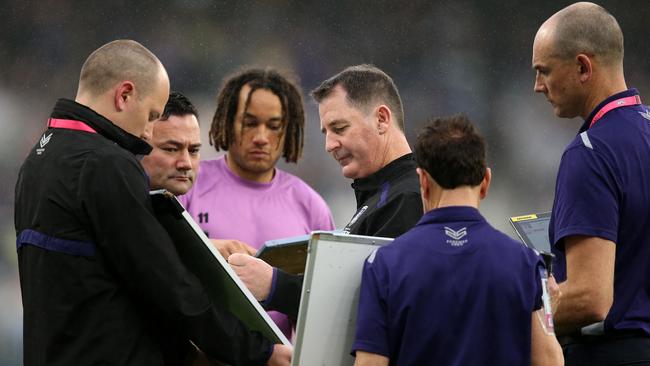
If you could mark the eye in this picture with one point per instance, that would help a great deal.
(169, 149)
(339, 129)
(249, 122)
(275, 126)
(194, 151)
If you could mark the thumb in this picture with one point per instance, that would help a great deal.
(237, 259)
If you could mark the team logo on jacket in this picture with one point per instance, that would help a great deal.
(356, 217)
(43, 142)
(456, 236)
(645, 114)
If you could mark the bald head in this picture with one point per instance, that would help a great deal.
(117, 61)
(585, 28)
(126, 83)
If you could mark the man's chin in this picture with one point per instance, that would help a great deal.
(563, 112)
(179, 190)
(349, 172)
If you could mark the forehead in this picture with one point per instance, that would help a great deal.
(336, 106)
(543, 45)
(178, 128)
(160, 92)
(261, 100)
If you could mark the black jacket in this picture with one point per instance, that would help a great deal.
(388, 201)
(101, 281)
(388, 205)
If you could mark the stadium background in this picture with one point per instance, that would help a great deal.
(446, 57)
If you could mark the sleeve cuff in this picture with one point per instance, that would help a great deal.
(274, 281)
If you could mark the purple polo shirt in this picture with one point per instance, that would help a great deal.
(603, 190)
(451, 291)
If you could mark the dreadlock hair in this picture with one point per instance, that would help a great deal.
(293, 116)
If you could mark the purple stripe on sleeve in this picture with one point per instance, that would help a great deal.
(65, 246)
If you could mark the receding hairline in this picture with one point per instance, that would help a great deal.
(117, 61)
(387, 94)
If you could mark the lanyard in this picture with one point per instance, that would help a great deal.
(69, 124)
(627, 101)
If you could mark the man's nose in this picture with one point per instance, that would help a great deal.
(184, 161)
(331, 142)
(539, 85)
(261, 135)
(148, 132)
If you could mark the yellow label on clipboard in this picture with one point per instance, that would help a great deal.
(523, 218)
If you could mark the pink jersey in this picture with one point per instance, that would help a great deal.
(229, 207)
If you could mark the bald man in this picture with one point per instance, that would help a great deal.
(100, 278)
(600, 225)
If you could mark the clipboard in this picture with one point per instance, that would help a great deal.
(221, 283)
(287, 254)
(330, 297)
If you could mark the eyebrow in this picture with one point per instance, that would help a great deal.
(272, 119)
(178, 143)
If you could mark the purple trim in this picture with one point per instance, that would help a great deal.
(274, 282)
(65, 246)
(384, 194)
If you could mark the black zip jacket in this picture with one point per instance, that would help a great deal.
(100, 278)
(388, 201)
(388, 205)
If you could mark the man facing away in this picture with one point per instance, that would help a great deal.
(362, 117)
(98, 272)
(600, 223)
(175, 138)
(242, 199)
(453, 290)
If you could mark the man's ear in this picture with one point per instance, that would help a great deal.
(384, 119)
(124, 93)
(585, 67)
(485, 184)
(425, 186)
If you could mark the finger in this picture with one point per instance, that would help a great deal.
(224, 252)
(250, 250)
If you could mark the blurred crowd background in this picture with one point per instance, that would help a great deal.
(446, 57)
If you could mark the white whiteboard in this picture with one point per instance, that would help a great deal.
(330, 295)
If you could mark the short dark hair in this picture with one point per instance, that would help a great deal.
(364, 84)
(178, 105)
(452, 151)
(293, 116)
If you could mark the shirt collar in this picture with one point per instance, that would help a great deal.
(624, 94)
(69, 109)
(452, 214)
(393, 169)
